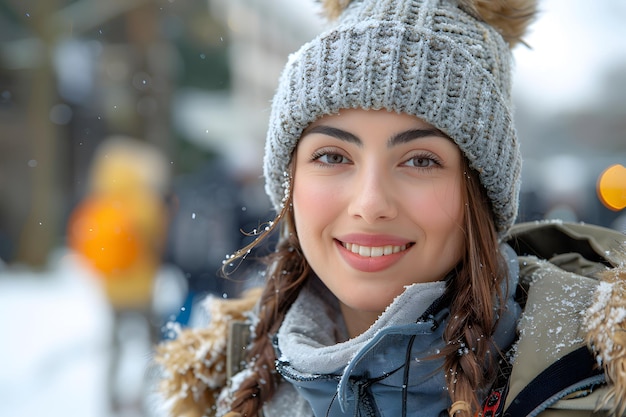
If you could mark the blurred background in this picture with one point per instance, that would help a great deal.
(137, 126)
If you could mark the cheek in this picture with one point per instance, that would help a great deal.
(453, 208)
(451, 220)
(312, 218)
(315, 196)
(308, 204)
(441, 203)
(450, 196)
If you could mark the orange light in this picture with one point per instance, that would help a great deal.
(101, 230)
(612, 187)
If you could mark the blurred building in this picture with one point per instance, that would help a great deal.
(72, 73)
(192, 77)
(260, 34)
(567, 151)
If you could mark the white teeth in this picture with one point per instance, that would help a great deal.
(377, 251)
(373, 251)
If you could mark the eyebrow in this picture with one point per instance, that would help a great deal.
(398, 138)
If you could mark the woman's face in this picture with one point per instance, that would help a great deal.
(377, 205)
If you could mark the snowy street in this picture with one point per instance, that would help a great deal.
(55, 345)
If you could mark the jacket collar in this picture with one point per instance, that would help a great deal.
(309, 335)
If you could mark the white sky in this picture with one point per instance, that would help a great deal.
(573, 42)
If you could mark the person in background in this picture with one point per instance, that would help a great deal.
(119, 228)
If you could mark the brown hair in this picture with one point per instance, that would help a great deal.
(476, 300)
(473, 312)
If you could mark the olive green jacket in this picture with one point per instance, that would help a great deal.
(572, 287)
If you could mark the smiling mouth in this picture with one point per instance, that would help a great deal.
(374, 251)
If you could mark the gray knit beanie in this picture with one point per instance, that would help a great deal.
(435, 59)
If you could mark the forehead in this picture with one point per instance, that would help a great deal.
(372, 117)
(359, 126)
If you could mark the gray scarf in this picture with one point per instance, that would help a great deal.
(309, 334)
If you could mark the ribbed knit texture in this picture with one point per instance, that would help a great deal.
(427, 58)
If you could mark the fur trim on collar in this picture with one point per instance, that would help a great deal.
(605, 324)
(194, 364)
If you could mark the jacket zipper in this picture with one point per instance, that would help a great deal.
(283, 368)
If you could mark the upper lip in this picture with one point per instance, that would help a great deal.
(373, 240)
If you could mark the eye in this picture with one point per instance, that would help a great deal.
(427, 160)
(327, 157)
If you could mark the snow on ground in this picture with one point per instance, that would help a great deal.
(54, 345)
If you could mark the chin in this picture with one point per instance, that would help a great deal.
(367, 304)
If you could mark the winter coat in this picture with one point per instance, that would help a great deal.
(386, 369)
(573, 292)
(572, 287)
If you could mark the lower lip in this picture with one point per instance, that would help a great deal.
(369, 264)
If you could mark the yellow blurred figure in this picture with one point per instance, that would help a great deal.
(120, 229)
(101, 230)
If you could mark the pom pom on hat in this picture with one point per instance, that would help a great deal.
(333, 8)
(511, 18)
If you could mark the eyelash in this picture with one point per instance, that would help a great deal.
(317, 155)
(436, 162)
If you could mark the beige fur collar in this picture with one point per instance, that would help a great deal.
(605, 326)
(194, 364)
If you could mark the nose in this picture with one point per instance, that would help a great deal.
(372, 197)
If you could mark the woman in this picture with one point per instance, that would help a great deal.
(392, 240)
(391, 132)
(393, 164)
